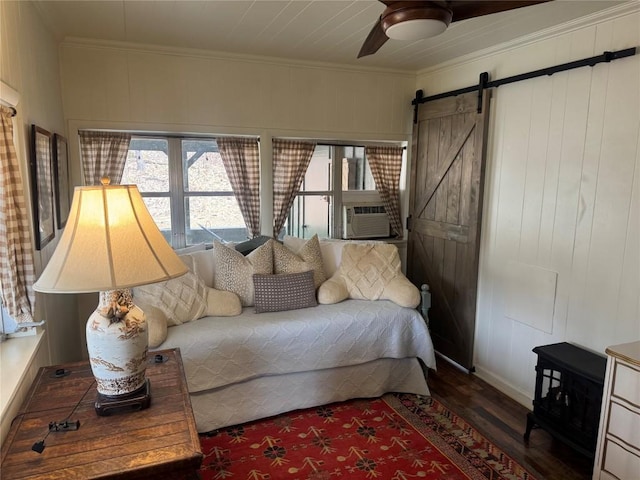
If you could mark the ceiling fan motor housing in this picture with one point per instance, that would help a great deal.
(415, 20)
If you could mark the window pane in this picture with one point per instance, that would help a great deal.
(203, 167)
(310, 214)
(160, 210)
(209, 218)
(356, 173)
(318, 176)
(147, 165)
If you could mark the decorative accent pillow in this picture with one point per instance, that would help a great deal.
(287, 291)
(156, 324)
(330, 248)
(234, 272)
(307, 257)
(187, 298)
(370, 272)
(181, 299)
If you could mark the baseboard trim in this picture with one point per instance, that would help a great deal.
(500, 384)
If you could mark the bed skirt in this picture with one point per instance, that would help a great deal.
(271, 395)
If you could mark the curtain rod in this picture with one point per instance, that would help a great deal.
(347, 144)
(485, 83)
(207, 136)
(14, 112)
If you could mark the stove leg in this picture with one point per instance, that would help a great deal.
(530, 424)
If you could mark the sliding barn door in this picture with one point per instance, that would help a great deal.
(446, 212)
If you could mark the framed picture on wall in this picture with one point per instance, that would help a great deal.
(61, 179)
(42, 186)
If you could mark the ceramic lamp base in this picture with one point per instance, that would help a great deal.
(139, 400)
(117, 345)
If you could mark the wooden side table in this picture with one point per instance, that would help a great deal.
(158, 442)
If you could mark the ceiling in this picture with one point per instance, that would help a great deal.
(311, 30)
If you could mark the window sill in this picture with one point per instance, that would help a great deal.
(16, 359)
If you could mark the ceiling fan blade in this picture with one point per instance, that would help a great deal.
(399, 11)
(463, 9)
(374, 41)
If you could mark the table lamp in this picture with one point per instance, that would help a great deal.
(109, 245)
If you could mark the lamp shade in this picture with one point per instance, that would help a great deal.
(110, 242)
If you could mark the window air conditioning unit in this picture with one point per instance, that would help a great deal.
(365, 221)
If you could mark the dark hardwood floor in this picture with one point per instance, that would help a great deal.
(503, 421)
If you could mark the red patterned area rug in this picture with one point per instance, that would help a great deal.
(396, 437)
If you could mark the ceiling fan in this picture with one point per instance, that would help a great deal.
(415, 20)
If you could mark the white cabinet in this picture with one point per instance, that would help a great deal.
(618, 449)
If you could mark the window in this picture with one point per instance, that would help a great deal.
(186, 189)
(356, 173)
(336, 174)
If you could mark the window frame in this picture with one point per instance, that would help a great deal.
(177, 194)
(336, 193)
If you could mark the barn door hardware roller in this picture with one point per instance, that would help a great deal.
(485, 83)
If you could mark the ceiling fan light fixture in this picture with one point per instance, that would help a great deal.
(418, 29)
(415, 22)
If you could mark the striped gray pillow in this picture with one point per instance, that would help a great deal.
(290, 291)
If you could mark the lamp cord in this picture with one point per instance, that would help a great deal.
(39, 446)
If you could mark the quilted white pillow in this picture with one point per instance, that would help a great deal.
(234, 272)
(187, 298)
(307, 257)
(181, 299)
(330, 248)
(370, 272)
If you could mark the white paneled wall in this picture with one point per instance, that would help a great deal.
(153, 89)
(29, 65)
(102, 83)
(562, 200)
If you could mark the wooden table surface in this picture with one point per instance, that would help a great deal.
(158, 442)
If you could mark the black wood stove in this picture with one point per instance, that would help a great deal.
(568, 395)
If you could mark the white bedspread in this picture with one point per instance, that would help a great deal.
(219, 351)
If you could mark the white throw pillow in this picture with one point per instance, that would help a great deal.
(370, 272)
(181, 299)
(187, 298)
(330, 248)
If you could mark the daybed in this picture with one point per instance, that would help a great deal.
(254, 365)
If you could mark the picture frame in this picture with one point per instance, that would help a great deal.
(61, 179)
(42, 186)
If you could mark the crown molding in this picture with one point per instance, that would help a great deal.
(79, 42)
(612, 13)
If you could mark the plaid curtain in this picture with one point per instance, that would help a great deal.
(103, 154)
(290, 162)
(16, 254)
(241, 159)
(386, 163)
